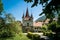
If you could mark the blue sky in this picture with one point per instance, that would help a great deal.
(17, 7)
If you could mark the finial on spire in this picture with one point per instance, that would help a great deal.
(31, 15)
(23, 15)
(27, 13)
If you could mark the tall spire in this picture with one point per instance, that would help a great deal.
(23, 15)
(31, 16)
(27, 13)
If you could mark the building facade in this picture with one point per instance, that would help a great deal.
(27, 22)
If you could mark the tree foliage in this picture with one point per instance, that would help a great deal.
(9, 18)
(49, 7)
(52, 26)
(58, 19)
(1, 7)
(8, 26)
(5, 28)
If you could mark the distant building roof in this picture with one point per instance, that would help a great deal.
(37, 24)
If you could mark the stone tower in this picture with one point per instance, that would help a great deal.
(27, 22)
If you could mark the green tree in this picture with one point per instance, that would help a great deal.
(49, 7)
(6, 28)
(1, 7)
(58, 21)
(52, 26)
(44, 28)
(10, 21)
(9, 18)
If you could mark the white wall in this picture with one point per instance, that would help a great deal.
(26, 21)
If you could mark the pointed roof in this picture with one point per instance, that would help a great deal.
(23, 15)
(31, 16)
(27, 13)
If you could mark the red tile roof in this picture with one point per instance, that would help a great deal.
(37, 24)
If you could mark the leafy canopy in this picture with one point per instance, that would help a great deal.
(49, 6)
(1, 7)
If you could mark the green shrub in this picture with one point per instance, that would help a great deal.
(49, 34)
(33, 36)
(36, 37)
(6, 35)
(52, 26)
(29, 35)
